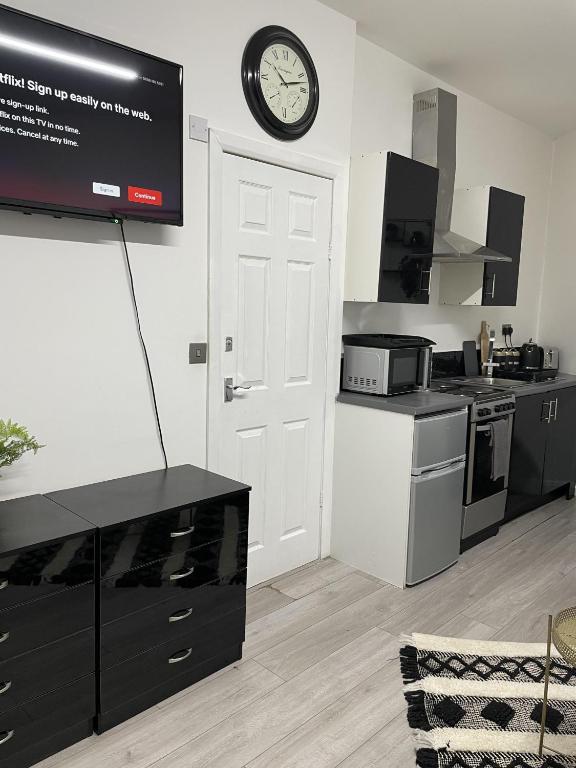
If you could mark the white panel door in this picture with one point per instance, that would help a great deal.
(273, 303)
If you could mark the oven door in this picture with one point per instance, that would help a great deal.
(406, 370)
(479, 484)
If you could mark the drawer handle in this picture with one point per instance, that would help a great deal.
(5, 687)
(4, 583)
(4, 636)
(181, 575)
(5, 736)
(183, 532)
(180, 656)
(181, 615)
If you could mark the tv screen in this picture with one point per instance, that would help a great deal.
(87, 127)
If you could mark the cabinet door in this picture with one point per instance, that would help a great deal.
(528, 452)
(504, 234)
(561, 444)
(407, 231)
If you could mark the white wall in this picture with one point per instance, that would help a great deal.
(558, 309)
(493, 148)
(72, 369)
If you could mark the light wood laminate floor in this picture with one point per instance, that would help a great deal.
(319, 685)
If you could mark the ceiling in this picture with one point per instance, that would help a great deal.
(518, 55)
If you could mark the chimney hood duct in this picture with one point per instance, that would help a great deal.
(434, 143)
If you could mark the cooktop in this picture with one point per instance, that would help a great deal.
(478, 392)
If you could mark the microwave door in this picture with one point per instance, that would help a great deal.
(403, 370)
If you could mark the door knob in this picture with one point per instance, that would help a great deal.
(229, 389)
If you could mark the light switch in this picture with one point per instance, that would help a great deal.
(197, 352)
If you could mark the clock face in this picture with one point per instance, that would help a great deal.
(280, 83)
(284, 82)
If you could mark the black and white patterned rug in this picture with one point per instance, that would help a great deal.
(478, 704)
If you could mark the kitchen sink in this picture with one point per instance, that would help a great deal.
(495, 381)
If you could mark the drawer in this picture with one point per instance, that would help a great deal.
(134, 677)
(33, 625)
(176, 575)
(46, 669)
(46, 570)
(439, 439)
(134, 544)
(40, 720)
(124, 638)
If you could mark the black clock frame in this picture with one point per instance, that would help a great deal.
(251, 83)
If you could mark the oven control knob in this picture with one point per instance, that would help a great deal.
(499, 408)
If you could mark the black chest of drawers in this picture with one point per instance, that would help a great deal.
(47, 630)
(171, 558)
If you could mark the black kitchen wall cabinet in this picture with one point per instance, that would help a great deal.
(503, 234)
(543, 457)
(392, 208)
(171, 582)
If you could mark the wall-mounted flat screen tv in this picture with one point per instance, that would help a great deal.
(88, 128)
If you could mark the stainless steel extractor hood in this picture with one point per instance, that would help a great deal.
(434, 143)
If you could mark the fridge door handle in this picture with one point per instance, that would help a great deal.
(456, 466)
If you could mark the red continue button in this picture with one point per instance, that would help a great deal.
(144, 196)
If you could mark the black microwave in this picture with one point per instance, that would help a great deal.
(386, 364)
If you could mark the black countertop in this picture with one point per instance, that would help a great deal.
(35, 520)
(411, 404)
(130, 498)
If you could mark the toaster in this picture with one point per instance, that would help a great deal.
(551, 359)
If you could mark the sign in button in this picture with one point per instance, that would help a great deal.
(111, 190)
(144, 196)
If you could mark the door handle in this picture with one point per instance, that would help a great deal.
(5, 687)
(230, 388)
(183, 532)
(425, 288)
(180, 656)
(181, 575)
(546, 416)
(4, 583)
(4, 636)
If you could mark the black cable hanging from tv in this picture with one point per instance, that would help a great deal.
(142, 342)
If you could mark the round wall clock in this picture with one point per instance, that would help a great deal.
(280, 83)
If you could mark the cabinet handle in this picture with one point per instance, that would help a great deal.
(546, 416)
(4, 583)
(555, 414)
(184, 532)
(179, 575)
(425, 289)
(180, 656)
(5, 736)
(493, 294)
(4, 636)
(5, 687)
(181, 615)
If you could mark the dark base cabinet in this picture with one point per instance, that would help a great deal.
(113, 597)
(171, 585)
(47, 634)
(543, 457)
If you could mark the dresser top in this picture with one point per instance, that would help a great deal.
(34, 520)
(130, 498)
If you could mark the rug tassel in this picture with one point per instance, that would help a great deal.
(417, 717)
(427, 758)
(409, 664)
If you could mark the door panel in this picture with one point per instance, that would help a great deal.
(273, 288)
(528, 452)
(561, 443)
(504, 234)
